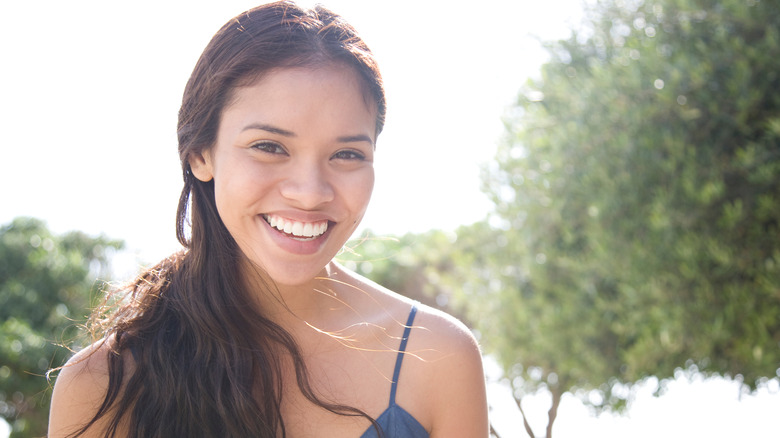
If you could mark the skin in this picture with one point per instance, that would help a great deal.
(298, 144)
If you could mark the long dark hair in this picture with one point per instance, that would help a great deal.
(206, 361)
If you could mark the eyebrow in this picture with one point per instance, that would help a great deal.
(269, 128)
(283, 132)
(355, 138)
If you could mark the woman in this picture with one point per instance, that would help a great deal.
(253, 330)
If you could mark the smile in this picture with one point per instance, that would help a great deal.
(300, 230)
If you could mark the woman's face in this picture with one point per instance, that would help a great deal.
(293, 168)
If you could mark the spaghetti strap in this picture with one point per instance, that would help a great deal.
(401, 352)
(395, 421)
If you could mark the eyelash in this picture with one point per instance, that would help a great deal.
(350, 155)
(269, 147)
(274, 148)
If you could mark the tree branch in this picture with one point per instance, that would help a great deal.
(552, 414)
(525, 420)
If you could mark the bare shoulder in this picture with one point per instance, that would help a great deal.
(444, 332)
(437, 334)
(449, 368)
(79, 390)
(435, 330)
(445, 344)
(442, 381)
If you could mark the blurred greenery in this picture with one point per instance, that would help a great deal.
(46, 283)
(639, 186)
(636, 229)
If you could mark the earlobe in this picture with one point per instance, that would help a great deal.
(200, 164)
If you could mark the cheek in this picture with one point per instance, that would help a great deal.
(226, 208)
(360, 190)
(237, 192)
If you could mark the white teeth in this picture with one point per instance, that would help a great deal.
(297, 229)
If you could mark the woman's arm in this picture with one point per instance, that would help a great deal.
(79, 391)
(457, 398)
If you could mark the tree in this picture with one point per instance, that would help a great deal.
(639, 191)
(46, 286)
(409, 265)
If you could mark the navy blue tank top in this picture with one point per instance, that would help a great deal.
(395, 422)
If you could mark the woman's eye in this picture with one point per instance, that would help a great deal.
(349, 155)
(269, 147)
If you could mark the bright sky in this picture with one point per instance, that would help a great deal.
(89, 92)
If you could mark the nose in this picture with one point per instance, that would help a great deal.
(307, 186)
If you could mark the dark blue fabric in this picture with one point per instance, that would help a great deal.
(395, 421)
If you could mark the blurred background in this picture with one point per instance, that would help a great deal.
(592, 187)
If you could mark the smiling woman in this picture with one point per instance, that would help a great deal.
(295, 150)
(253, 329)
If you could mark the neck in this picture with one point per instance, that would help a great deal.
(312, 302)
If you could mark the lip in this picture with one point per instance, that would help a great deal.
(301, 216)
(295, 245)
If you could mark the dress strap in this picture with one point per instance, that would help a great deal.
(401, 352)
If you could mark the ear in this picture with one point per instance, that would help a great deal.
(200, 163)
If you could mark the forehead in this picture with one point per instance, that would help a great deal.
(293, 98)
(276, 81)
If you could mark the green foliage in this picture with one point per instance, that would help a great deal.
(46, 282)
(408, 265)
(443, 269)
(640, 190)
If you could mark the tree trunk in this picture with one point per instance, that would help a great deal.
(525, 420)
(552, 414)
